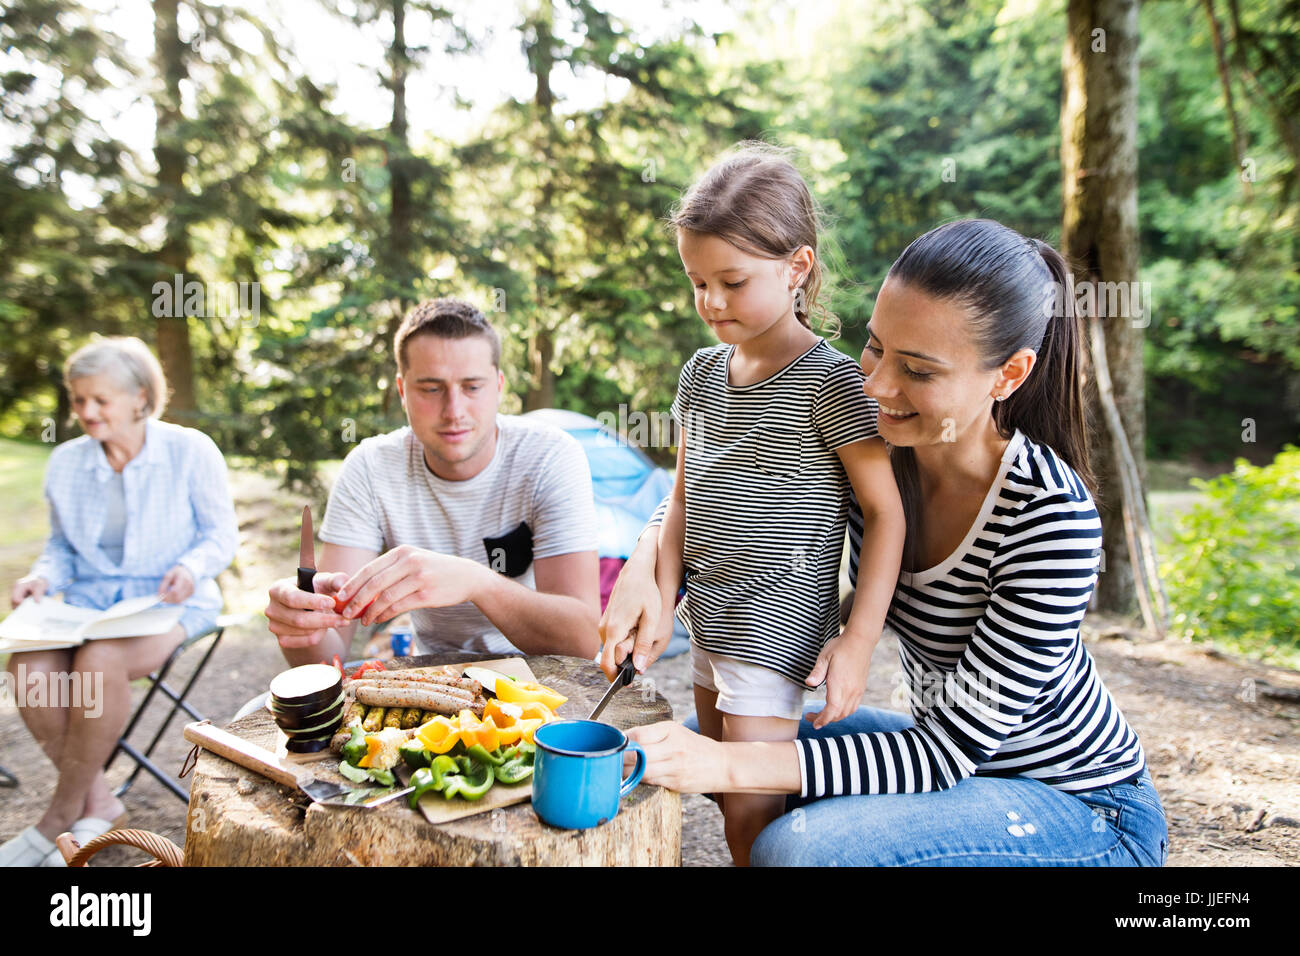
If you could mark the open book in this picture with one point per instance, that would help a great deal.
(49, 623)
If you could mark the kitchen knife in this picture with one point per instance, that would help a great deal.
(626, 671)
(260, 760)
(306, 553)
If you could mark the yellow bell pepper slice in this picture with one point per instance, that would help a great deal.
(522, 692)
(501, 714)
(536, 710)
(529, 727)
(488, 735)
(373, 746)
(439, 735)
(509, 736)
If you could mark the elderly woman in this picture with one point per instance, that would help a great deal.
(1015, 753)
(137, 507)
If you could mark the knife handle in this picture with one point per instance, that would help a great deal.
(305, 576)
(246, 754)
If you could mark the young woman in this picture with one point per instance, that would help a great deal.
(136, 507)
(1014, 753)
(775, 430)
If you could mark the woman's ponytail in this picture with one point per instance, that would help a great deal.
(1049, 405)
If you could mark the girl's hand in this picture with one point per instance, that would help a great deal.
(681, 760)
(177, 585)
(843, 664)
(31, 586)
(630, 624)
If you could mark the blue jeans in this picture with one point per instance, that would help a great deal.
(982, 821)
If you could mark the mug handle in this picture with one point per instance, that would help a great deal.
(638, 771)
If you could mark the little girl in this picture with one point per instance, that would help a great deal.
(775, 432)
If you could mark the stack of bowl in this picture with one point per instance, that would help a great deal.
(307, 704)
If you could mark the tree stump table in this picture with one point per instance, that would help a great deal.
(238, 818)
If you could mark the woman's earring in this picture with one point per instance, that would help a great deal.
(1000, 398)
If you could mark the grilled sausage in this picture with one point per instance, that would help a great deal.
(445, 689)
(410, 674)
(424, 698)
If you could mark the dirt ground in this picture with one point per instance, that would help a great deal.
(1220, 734)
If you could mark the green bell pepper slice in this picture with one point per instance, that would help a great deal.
(514, 771)
(521, 749)
(431, 778)
(356, 747)
(474, 780)
(482, 756)
(414, 754)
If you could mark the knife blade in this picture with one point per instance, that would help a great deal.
(403, 774)
(626, 671)
(306, 553)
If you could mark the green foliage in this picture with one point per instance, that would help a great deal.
(550, 213)
(1233, 575)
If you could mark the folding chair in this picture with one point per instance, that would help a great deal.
(157, 682)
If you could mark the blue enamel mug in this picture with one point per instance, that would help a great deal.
(578, 773)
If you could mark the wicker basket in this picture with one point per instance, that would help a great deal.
(163, 850)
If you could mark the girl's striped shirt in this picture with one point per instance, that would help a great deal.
(767, 504)
(999, 679)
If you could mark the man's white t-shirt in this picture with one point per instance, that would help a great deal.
(533, 500)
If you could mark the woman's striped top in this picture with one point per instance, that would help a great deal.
(999, 680)
(767, 504)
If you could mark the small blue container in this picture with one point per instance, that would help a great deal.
(578, 778)
(400, 639)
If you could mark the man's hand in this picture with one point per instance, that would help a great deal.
(843, 664)
(32, 586)
(177, 585)
(407, 578)
(301, 618)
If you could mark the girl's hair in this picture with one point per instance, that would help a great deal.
(1016, 294)
(756, 200)
(128, 362)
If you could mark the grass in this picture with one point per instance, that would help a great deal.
(23, 514)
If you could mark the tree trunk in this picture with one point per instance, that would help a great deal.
(172, 331)
(399, 172)
(1099, 238)
(541, 347)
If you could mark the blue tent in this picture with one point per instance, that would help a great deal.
(628, 487)
(627, 484)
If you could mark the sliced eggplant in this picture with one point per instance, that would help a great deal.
(308, 685)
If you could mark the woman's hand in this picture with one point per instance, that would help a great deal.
(843, 664)
(630, 624)
(32, 586)
(681, 760)
(177, 585)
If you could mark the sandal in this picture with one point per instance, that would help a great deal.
(87, 828)
(29, 848)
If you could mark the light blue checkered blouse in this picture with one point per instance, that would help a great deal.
(178, 511)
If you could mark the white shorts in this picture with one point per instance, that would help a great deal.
(745, 689)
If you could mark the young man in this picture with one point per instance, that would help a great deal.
(481, 525)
